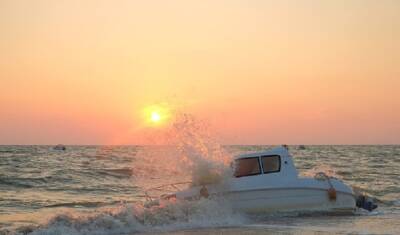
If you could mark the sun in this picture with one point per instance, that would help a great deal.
(155, 117)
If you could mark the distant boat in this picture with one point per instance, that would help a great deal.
(60, 147)
(302, 147)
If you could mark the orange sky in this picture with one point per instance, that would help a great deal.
(260, 72)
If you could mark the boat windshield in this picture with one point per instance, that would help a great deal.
(247, 166)
(271, 163)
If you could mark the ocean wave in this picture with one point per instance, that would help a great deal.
(13, 183)
(20, 182)
(118, 172)
(78, 204)
(168, 216)
(87, 204)
(133, 218)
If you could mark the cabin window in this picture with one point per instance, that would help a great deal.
(271, 163)
(247, 166)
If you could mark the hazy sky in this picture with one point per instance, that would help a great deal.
(259, 72)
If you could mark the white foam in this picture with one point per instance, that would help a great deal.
(133, 218)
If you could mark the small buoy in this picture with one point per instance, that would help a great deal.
(332, 194)
(204, 192)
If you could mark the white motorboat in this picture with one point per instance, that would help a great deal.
(269, 182)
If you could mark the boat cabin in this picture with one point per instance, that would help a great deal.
(274, 162)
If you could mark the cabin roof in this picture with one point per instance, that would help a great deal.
(282, 151)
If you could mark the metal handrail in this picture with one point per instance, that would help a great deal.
(164, 188)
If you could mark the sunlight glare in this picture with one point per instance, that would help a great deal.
(155, 117)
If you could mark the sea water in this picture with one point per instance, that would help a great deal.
(101, 190)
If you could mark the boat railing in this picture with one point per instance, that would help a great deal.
(165, 189)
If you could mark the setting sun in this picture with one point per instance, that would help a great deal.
(155, 117)
(156, 114)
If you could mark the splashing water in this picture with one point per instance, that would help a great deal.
(191, 153)
(205, 157)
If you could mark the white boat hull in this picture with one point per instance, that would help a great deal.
(294, 199)
(296, 195)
